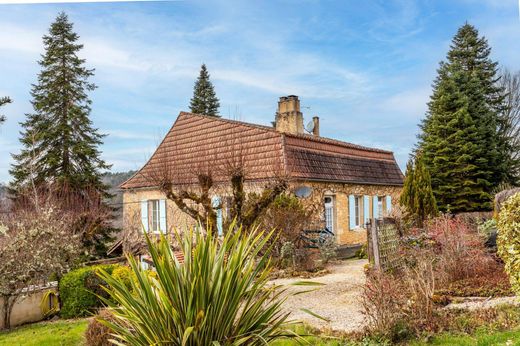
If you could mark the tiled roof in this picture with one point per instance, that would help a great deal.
(198, 142)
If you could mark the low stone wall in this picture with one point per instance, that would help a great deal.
(27, 308)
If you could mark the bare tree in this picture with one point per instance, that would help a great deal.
(191, 188)
(510, 118)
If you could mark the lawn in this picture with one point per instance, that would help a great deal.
(70, 333)
(64, 333)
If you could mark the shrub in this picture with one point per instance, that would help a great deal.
(78, 289)
(508, 240)
(99, 334)
(218, 296)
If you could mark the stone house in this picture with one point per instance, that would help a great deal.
(350, 183)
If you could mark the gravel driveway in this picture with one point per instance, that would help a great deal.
(337, 300)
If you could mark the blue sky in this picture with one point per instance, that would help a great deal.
(364, 67)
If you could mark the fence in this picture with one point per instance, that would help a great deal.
(383, 244)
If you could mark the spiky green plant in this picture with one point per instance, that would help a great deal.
(218, 296)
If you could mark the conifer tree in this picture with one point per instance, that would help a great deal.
(3, 101)
(60, 144)
(459, 143)
(417, 195)
(204, 100)
(60, 155)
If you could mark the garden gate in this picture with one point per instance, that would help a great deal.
(383, 243)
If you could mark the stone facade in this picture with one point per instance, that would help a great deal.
(176, 219)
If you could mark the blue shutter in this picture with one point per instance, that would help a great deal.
(216, 201)
(366, 209)
(144, 215)
(351, 212)
(375, 208)
(162, 216)
(388, 204)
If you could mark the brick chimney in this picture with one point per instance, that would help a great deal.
(288, 117)
(316, 127)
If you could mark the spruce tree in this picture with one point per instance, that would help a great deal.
(60, 155)
(3, 101)
(459, 143)
(60, 144)
(417, 195)
(204, 100)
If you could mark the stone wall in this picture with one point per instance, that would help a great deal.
(176, 219)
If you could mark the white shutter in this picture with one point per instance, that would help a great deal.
(162, 216)
(352, 211)
(388, 204)
(144, 215)
(375, 207)
(366, 210)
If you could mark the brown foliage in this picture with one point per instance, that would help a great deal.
(98, 334)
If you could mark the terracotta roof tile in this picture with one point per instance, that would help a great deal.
(196, 141)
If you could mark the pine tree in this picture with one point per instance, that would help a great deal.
(459, 143)
(60, 145)
(3, 101)
(60, 155)
(204, 100)
(417, 195)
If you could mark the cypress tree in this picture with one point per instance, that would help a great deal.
(60, 144)
(459, 143)
(3, 101)
(204, 100)
(417, 195)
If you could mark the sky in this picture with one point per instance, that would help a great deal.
(364, 67)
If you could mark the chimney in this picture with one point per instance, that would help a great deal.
(316, 127)
(288, 117)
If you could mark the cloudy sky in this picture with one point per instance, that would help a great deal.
(364, 67)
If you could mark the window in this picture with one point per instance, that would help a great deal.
(358, 200)
(329, 213)
(153, 208)
(153, 215)
(380, 202)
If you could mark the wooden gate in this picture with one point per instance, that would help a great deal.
(383, 244)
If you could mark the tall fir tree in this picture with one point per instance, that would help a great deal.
(60, 144)
(459, 144)
(204, 100)
(3, 101)
(417, 196)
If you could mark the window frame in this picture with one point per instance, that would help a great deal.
(358, 209)
(154, 216)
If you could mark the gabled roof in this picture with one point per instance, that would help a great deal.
(197, 142)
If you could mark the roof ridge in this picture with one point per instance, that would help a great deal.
(337, 142)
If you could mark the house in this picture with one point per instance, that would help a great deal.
(349, 183)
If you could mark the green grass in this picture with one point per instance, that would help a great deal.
(63, 333)
(509, 338)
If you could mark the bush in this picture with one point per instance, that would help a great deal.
(218, 296)
(79, 289)
(508, 240)
(98, 334)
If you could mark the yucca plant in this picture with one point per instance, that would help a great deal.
(218, 296)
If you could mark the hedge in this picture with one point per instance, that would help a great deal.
(79, 290)
(508, 240)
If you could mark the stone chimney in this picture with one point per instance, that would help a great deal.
(316, 127)
(288, 117)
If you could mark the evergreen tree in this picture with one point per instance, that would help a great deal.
(204, 100)
(417, 195)
(459, 144)
(3, 101)
(60, 145)
(60, 155)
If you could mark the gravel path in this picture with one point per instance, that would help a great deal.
(337, 300)
(475, 303)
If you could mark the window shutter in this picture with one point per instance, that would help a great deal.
(388, 204)
(366, 209)
(162, 216)
(375, 208)
(216, 201)
(352, 212)
(144, 215)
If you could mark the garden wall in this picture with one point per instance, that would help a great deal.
(27, 308)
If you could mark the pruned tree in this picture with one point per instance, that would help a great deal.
(192, 188)
(34, 246)
(3, 101)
